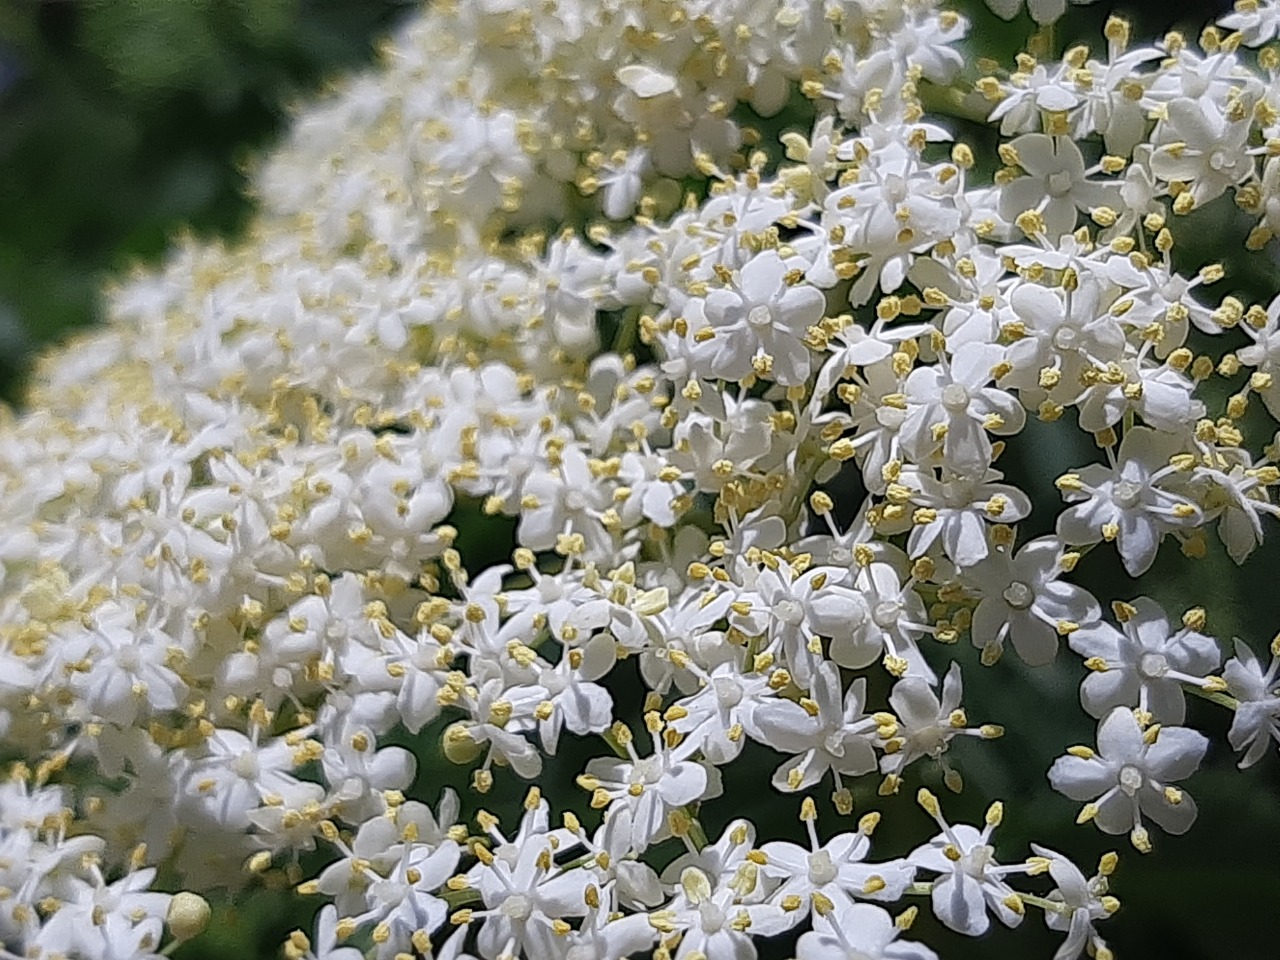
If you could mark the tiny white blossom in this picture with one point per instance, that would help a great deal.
(969, 882)
(1257, 718)
(1131, 775)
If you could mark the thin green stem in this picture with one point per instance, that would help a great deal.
(626, 335)
(804, 482)
(951, 102)
(615, 745)
(1221, 699)
(1049, 906)
(460, 898)
(696, 833)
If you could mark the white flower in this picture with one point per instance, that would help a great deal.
(539, 363)
(1082, 902)
(825, 732)
(858, 931)
(641, 791)
(792, 609)
(1024, 600)
(1239, 498)
(957, 510)
(568, 500)
(84, 906)
(1126, 502)
(123, 666)
(716, 921)
(1264, 352)
(897, 620)
(1258, 21)
(1257, 718)
(1056, 184)
(950, 409)
(1200, 148)
(501, 716)
(1131, 775)
(576, 701)
(969, 880)
(858, 346)
(524, 891)
(1033, 91)
(1145, 663)
(763, 314)
(623, 181)
(1061, 332)
(236, 773)
(360, 771)
(1042, 11)
(835, 870)
(925, 725)
(730, 703)
(1161, 395)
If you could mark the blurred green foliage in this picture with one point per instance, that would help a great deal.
(123, 120)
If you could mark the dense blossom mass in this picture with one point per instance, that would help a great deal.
(738, 399)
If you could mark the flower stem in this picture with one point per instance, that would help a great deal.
(1221, 699)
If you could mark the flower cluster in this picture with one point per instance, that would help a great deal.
(58, 901)
(732, 405)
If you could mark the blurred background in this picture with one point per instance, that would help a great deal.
(123, 122)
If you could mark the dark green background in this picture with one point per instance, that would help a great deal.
(124, 121)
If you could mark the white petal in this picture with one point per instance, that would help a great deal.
(1176, 754)
(644, 81)
(958, 903)
(1120, 738)
(1079, 779)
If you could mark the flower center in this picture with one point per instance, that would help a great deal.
(955, 397)
(975, 862)
(728, 692)
(712, 917)
(245, 765)
(1127, 494)
(517, 907)
(1059, 184)
(1219, 160)
(1064, 338)
(1018, 595)
(574, 500)
(760, 316)
(886, 613)
(821, 870)
(648, 770)
(1130, 779)
(1153, 665)
(789, 612)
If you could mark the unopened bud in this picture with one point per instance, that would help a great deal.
(188, 915)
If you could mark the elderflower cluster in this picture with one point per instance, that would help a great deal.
(563, 397)
(57, 901)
